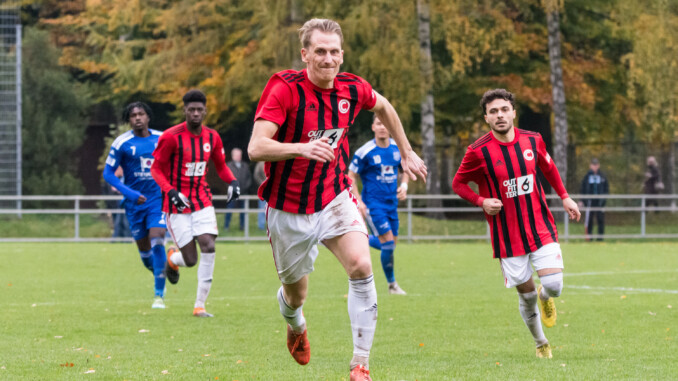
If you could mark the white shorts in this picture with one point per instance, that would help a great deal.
(183, 227)
(294, 237)
(517, 270)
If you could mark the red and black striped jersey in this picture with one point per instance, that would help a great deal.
(508, 172)
(181, 163)
(305, 112)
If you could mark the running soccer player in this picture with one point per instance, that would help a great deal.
(504, 164)
(179, 168)
(377, 162)
(133, 152)
(300, 131)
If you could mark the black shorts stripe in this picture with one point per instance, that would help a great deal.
(298, 128)
(502, 215)
(540, 189)
(516, 200)
(528, 199)
(198, 185)
(495, 229)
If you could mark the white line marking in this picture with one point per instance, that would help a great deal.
(628, 289)
(620, 272)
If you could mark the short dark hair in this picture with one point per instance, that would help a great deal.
(194, 96)
(491, 95)
(128, 110)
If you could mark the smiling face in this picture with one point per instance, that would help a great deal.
(499, 114)
(323, 58)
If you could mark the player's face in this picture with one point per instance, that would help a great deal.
(380, 131)
(138, 118)
(499, 114)
(195, 113)
(323, 58)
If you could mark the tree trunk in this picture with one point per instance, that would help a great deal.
(428, 136)
(558, 88)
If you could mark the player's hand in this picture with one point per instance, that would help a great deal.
(141, 199)
(572, 209)
(233, 192)
(318, 149)
(414, 166)
(402, 192)
(179, 200)
(492, 206)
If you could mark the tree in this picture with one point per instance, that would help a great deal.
(53, 119)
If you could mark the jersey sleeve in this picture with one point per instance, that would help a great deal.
(275, 101)
(468, 171)
(219, 158)
(369, 96)
(112, 163)
(160, 167)
(356, 165)
(549, 169)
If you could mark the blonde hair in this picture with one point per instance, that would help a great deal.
(323, 25)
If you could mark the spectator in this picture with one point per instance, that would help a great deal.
(259, 177)
(241, 170)
(653, 181)
(594, 183)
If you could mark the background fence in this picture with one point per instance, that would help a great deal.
(87, 218)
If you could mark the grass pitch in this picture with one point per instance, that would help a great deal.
(82, 312)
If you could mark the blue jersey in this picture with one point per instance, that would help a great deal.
(378, 170)
(135, 155)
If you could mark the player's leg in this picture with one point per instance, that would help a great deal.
(157, 230)
(241, 204)
(293, 242)
(601, 224)
(548, 261)
(179, 227)
(518, 273)
(205, 273)
(136, 218)
(373, 238)
(352, 250)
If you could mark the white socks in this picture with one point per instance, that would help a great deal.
(295, 318)
(552, 285)
(530, 314)
(205, 271)
(362, 311)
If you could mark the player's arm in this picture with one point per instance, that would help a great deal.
(225, 173)
(160, 167)
(412, 165)
(466, 173)
(354, 189)
(402, 188)
(112, 164)
(263, 147)
(550, 171)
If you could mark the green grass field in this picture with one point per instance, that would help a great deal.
(82, 312)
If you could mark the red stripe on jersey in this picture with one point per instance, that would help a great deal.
(305, 112)
(181, 163)
(508, 171)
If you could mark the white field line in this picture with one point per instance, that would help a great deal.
(627, 289)
(594, 273)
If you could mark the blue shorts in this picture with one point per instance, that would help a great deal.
(381, 221)
(145, 216)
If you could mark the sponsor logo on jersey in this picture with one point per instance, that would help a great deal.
(519, 186)
(146, 163)
(499, 163)
(344, 105)
(388, 174)
(528, 155)
(206, 147)
(312, 107)
(195, 169)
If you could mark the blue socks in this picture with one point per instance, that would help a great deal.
(387, 249)
(159, 259)
(374, 242)
(147, 259)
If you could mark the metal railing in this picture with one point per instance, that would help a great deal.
(413, 206)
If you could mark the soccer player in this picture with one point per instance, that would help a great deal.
(133, 152)
(179, 168)
(503, 163)
(377, 162)
(300, 131)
